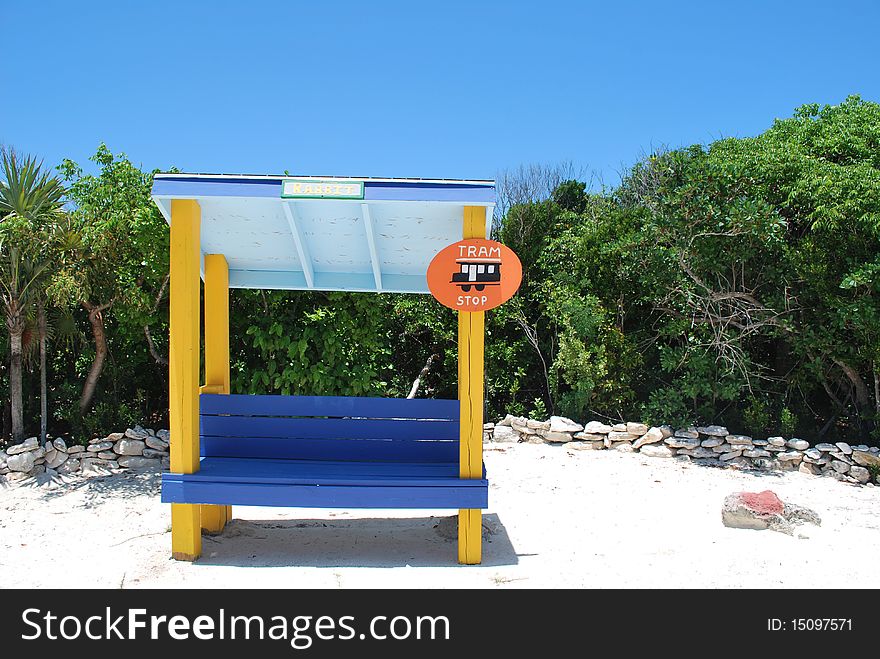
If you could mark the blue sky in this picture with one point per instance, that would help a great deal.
(431, 89)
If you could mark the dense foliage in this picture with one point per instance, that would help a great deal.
(733, 283)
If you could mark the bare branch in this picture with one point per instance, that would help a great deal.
(421, 375)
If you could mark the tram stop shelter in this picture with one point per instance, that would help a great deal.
(324, 234)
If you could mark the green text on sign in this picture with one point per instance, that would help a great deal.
(294, 188)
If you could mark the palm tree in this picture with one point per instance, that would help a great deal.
(30, 201)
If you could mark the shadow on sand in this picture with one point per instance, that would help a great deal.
(364, 542)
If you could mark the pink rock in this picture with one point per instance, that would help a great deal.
(763, 503)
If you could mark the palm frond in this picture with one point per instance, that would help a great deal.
(26, 190)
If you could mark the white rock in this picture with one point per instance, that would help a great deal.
(687, 433)
(776, 441)
(50, 454)
(756, 453)
(562, 424)
(723, 448)
(682, 442)
(136, 433)
(21, 462)
(701, 452)
(667, 431)
(505, 434)
(741, 462)
(636, 428)
(623, 447)
(107, 455)
(597, 428)
(839, 466)
(164, 435)
(525, 430)
(553, 436)
(97, 447)
(845, 448)
(865, 458)
(657, 451)
(619, 427)
(59, 459)
(719, 431)
(760, 442)
(621, 436)
(59, 444)
(73, 450)
(799, 444)
(813, 453)
(69, 467)
(861, 447)
(861, 474)
(809, 468)
(730, 455)
(825, 447)
(712, 442)
(589, 437)
(506, 421)
(137, 462)
(790, 456)
(530, 423)
(651, 436)
(30, 444)
(128, 446)
(587, 446)
(153, 453)
(94, 466)
(739, 440)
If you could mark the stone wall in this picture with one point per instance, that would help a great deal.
(140, 448)
(708, 445)
(136, 448)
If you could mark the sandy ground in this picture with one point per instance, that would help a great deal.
(557, 518)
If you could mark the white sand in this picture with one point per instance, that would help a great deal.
(560, 518)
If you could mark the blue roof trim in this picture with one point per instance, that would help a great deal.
(190, 188)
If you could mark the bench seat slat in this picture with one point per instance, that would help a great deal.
(245, 426)
(375, 450)
(324, 496)
(339, 406)
(309, 472)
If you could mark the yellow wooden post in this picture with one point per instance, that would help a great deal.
(214, 517)
(183, 370)
(470, 395)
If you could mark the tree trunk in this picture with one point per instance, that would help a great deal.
(44, 414)
(15, 397)
(876, 391)
(861, 391)
(96, 320)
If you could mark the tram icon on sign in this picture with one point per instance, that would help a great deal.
(478, 273)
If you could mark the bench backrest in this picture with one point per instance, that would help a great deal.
(329, 428)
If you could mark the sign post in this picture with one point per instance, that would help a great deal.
(472, 276)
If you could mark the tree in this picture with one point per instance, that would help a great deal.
(30, 200)
(117, 256)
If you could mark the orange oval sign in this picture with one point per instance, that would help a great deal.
(474, 275)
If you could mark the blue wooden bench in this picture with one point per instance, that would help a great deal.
(327, 452)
